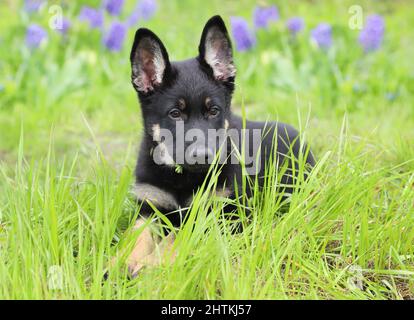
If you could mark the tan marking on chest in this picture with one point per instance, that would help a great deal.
(156, 132)
(223, 193)
(226, 124)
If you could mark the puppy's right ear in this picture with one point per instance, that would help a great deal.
(149, 61)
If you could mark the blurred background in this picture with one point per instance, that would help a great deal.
(64, 69)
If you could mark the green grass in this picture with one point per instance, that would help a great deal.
(70, 126)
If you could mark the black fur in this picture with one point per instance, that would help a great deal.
(193, 81)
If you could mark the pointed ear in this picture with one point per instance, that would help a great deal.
(215, 50)
(149, 61)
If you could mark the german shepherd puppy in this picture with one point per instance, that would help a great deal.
(193, 96)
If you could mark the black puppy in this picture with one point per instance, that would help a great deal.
(187, 117)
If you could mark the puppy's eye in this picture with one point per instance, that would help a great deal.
(213, 111)
(175, 114)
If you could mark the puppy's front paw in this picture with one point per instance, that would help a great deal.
(163, 252)
(146, 251)
(144, 246)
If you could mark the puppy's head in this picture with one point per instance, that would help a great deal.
(194, 94)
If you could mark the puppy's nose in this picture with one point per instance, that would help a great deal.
(202, 155)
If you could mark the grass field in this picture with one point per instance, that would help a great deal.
(70, 127)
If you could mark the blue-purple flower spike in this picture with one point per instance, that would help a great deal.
(147, 9)
(66, 25)
(372, 35)
(33, 5)
(94, 17)
(322, 35)
(114, 7)
(264, 15)
(133, 18)
(295, 25)
(115, 37)
(35, 35)
(242, 34)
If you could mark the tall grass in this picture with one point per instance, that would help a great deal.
(348, 233)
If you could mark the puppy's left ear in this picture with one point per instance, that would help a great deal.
(215, 50)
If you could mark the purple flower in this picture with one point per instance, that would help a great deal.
(146, 9)
(372, 35)
(114, 39)
(35, 35)
(243, 36)
(295, 25)
(133, 18)
(93, 16)
(64, 28)
(263, 15)
(33, 5)
(114, 7)
(322, 35)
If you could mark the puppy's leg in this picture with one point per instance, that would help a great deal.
(144, 253)
(163, 252)
(144, 245)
